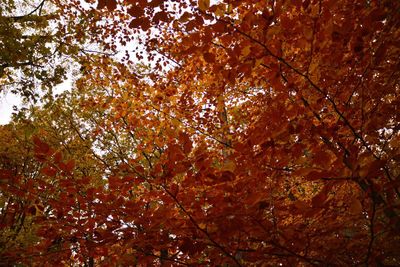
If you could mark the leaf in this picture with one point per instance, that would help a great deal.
(110, 4)
(101, 4)
(40, 146)
(49, 171)
(68, 166)
(160, 17)
(308, 33)
(203, 4)
(219, 11)
(136, 11)
(227, 176)
(186, 142)
(209, 57)
(229, 165)
(5, 174)
(246, 51)
(141, 22)
(175, 153)
(174, 189)
(219, 27)
(57, 157)
(319, 199)
(355, 207)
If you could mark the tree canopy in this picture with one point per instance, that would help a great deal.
(201, 133)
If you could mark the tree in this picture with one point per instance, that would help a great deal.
(41, 44)
(264, 133)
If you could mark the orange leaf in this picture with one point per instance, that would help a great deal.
(204, 4)
(355, 207)
(186, 142)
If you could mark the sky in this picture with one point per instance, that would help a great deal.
(7, 102)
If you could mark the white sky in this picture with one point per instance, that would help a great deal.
(6, 107)
(8, 100)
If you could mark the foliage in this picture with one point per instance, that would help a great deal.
(40, 44)
(262, 133)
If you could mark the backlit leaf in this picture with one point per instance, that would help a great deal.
(204, 4)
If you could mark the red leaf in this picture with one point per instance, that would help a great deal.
(156, 3)
(175, 153)
(187, 143)
(49, 171)
(160, 17)
(139, 169)
(141, 22)
(219, 27)
(227, 176)
(319, 199)
(40, 146)
(110, 4)
(101, 4)
(5, 174)
(136, 11)
(57, 157)
(209, 57)
(68, 166)
(174, 189)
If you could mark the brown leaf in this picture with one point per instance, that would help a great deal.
(355, 207)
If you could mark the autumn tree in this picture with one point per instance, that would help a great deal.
(262, 133)
(41, 46)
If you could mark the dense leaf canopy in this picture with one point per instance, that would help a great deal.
(201, 133)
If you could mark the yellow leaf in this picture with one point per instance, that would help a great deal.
(229, 9)
(176, 122)
(204, 4)
(258, 62)
(219, 12)
(246, 51)
(314, 69)
(229, 165)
